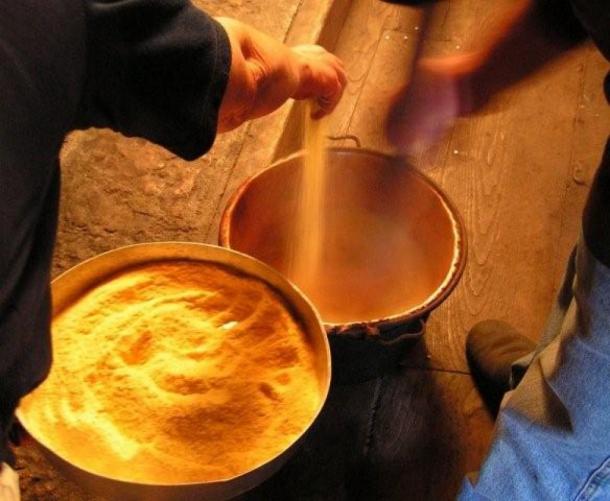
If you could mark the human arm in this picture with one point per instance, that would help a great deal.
(526, 36)
(160, 69)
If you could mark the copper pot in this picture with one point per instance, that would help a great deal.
(395, 246)
(75, 282)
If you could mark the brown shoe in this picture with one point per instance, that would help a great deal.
(491, 348)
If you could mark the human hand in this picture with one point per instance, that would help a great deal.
(441, 90)
(265, 73)
(323, 78)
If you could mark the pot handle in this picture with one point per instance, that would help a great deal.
(343, 137)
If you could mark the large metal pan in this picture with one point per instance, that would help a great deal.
(72, 284)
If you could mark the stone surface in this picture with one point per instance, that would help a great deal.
(39, 481)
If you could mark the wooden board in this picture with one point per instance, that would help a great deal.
(357, 45)
(430, 430)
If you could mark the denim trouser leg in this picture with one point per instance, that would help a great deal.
(552, 437)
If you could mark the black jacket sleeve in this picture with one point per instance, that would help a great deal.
(594, 16)
(155, 69)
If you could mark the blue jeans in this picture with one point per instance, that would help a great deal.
(552, 436)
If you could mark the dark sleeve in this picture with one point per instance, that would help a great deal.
(559, 19)
(156, 69)
(594, 16)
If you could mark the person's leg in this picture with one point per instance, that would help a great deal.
(552, 432)
(551, 439)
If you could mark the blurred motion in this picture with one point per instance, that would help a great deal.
(524, 38)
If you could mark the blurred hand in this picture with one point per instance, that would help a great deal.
(516, 44)
(265, 73)
(441, 90)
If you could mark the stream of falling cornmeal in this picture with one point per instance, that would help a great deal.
(353, 250)
(308, 241)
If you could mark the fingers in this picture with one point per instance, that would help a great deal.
(323, 78)
(329, 99)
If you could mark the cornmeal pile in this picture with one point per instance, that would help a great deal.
(175, 372)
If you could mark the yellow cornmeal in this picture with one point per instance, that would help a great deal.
(175, 372)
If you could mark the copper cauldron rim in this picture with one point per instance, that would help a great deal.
(72, 283)
(454, 272)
